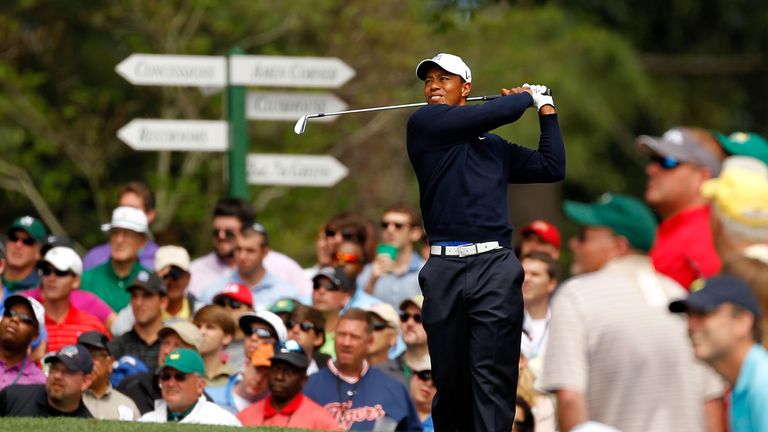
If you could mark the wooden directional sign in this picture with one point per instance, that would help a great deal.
(290, 106)
(178, 135)
(294, 170)
(174, 70)
(280, 71)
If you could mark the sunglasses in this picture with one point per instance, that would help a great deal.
(177, 376)
(261, 333)
(347, 258)
(228, 234)
(379, 326)
(327, 285)
(26, 319)
(229, 302)
(346, 234)
(398, 225)
(404, 316)
(666, 162)
(304, 326)
(13, 238)
(49, 270)
(174, 273)
(425, 375)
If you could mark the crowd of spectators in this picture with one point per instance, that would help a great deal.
(656, 326)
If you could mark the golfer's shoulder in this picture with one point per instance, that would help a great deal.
(425, 115)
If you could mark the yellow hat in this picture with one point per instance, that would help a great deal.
(741, 191)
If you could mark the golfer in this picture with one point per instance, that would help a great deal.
(473, 307)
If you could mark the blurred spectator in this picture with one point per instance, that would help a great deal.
(61, 396)
(680, 161)
(172, 266)
(524, 421)
(331, 292)
(540, 282)
(539, 236)
(752, 267)
(357, 396)
(61, 269)
(349, 257)
(261, 328)
(252, 245)
(414, 335)
(82, 300)
(25, 238)
(22, 319)
(723, 324)
(230, 215)
(236, 299)
(182, 382)
(385, 322)
(306, 325)
(422, 390)
(137, 195)
(104, 402)
(610, 325)
(148, 300)
(144, 388)
(744, 144)
(217, 328)
(393, 275)
(284, 307)
(739, 199)
(541, 406)
(248, 386)
(127, 234)
(286, 405)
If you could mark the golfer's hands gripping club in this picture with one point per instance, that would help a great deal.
(541, 95)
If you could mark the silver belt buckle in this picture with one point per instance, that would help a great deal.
(467, 250)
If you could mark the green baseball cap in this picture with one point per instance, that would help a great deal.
(32, 226)
(283, 305)
(744, 144)
(184, 360)
(627, 216)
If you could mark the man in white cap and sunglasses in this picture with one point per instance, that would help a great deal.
(21, 323)
(473, 306)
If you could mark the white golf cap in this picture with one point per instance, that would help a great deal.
(449, 62)
(268, 318)
(387, 313)
(37, 308)
(64, 259)
(129, 218)
(172, 255)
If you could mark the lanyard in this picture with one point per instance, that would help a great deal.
(21, 370)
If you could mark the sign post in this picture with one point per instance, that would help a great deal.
(238, 135)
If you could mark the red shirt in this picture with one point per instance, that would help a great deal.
(684, 249)
(66, 332)
(300, 412)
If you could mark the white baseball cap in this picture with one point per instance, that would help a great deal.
(172, 255)
(37, 309)
(64, 259)
(129, 218)
(268, 318)
(449, 62)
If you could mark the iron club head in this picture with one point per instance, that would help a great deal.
(301, 124)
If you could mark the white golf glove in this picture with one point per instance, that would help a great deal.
(539, 97)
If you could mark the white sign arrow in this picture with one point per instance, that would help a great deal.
(290, 106)
(279, 71)
(174, 70)
(294, 170)
(177, 135)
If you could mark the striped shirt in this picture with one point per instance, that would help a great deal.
(613, 340)
(66, 331)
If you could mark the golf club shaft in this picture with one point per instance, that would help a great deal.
(391, 107)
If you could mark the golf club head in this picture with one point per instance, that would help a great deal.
(301, 124)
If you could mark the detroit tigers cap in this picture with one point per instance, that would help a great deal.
(74, 357)
(451, 63)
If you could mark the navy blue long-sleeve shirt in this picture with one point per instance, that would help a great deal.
(463, 170)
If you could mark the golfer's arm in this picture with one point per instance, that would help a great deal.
(571, 409)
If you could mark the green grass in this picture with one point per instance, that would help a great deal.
(27, 424)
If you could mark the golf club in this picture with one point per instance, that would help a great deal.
(301, 124)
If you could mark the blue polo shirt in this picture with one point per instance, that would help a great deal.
(749, 400)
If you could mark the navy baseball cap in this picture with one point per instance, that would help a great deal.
(74, 357)
(94, 339)
(291, 352)
(723, 288)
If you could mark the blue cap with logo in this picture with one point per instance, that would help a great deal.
(723, 288)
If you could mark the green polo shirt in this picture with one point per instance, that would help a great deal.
(108, 286)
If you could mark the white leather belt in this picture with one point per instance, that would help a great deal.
(465, 249)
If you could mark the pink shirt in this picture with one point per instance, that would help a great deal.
(26, 372)
(84, 300)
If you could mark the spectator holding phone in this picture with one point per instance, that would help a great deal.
(393, 275)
